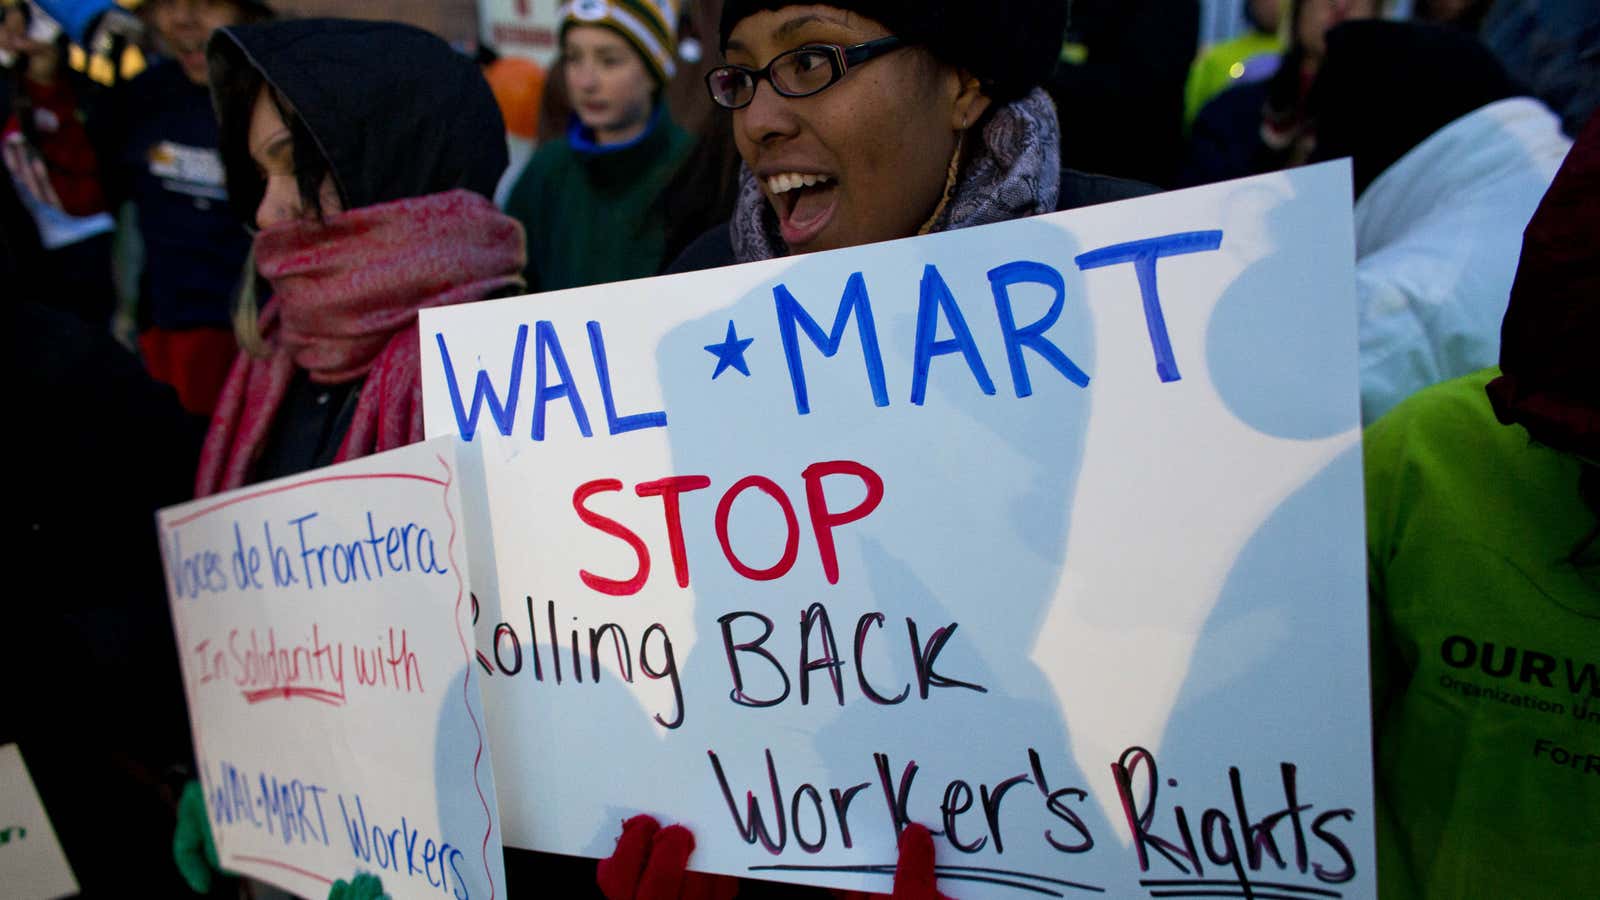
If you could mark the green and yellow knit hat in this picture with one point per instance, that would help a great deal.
(651, 26)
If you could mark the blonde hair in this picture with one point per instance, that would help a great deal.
(247, 312)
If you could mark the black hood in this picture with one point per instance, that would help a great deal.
(1385, 87)
(394, 110)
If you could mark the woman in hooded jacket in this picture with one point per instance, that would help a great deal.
(364, 154)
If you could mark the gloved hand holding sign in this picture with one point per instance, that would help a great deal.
(651, 863)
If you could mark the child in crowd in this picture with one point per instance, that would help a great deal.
(590, 201)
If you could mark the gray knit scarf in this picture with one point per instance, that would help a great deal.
(1013, 172)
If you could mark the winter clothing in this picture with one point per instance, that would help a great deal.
(1485, 687)
(417, 231)
(157, 140)
(651, 26)
(651, 861)
(1547, 351)
(346, 295)
(1246, 59)
(151, 141)
(56, 128)
(1119, 88)
(593, 212)
(1010, 46)
(76, 237)
(194, 849)
(1437, 239)
(112, 723)
(1553, 47)
(915, 877)
(364, 886)
(1385, 86)
(1256, 126)
(1485, 587)
(195, 361)
(1449, 164)
(1225, 138)
(1013, 172)
(393, 110)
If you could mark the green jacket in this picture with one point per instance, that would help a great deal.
(1485, 641)
(591, 213)
(1221, 66)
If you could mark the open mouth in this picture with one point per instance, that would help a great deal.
(190, 54)
(805, 204)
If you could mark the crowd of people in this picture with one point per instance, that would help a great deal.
(213, 267)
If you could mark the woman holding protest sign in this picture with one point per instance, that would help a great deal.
(371, 202)
(857, 123)
(363, 155)
(870, 121)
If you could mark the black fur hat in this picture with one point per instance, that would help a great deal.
(1011, 46)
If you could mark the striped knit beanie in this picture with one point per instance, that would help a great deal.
(651, 26)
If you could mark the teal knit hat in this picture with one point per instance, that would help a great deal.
(651, 26)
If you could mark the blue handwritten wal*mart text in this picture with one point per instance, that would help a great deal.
(553, 374)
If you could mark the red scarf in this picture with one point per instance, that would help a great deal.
(345, 297)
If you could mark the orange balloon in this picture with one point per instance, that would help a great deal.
(517, 84)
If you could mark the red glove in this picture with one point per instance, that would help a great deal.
(913, 873)
(651, 863)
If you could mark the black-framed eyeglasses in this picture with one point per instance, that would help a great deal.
(800, 72)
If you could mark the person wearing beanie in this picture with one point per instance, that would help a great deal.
(883, 119)
(857, 123)
(1483, 549)
(590, 200)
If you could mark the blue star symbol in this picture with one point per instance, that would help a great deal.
(730, 353)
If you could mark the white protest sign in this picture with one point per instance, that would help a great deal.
(324, 627)
(1047, 535)
(32, 864)
(525, 28)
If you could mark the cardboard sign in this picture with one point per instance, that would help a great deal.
(325, 631)
(32, 865)
(1046, 534)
